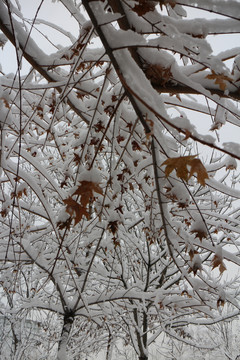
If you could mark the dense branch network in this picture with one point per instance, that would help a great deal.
(115, 219)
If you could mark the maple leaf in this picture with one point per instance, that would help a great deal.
(114, 98)
(158, 74)
(218, 261)
(120, 138)
(120, 209)
(109, 110)
(182, 205)
(80, 95)
(76, 158)
(220, 302)
(94, 141)
(116, 242)
(180, 165)
(144, 6)
(19, 193)
(135, 146)
(187, 134)
(39, 111)
(131, 187)
(64, 224)
(4, 212)
(185, 292)
(198, 168)
(230, 163)
(75, 210)
(191, 253)
(220, 79)
(113, 226)
(86, 190)
(200, 234)
(99, 126)
(172, 3)
(6, 103)
(194, 268)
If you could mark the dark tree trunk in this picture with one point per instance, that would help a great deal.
(109, 346)
(67, 326)
(141, 339)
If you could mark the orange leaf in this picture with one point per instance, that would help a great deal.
(180, 165)
(219, 79)
(198, 168)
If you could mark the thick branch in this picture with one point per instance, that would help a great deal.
(114, 62)
(168, 87)
(181, 89)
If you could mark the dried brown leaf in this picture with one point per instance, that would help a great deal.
(218, 261)
(220, 79)
(86, 190)
(180, 165)
(75, 210)
(144, 6)
(200, 234)
(158, 74)
(113, 226)
(220, 302)
(172, 3)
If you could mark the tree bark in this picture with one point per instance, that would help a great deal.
(109, 347)
(67, 326)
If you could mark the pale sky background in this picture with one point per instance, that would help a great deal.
(50, 11)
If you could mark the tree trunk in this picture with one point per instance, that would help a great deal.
(109, 347)
(67, 326)
(141, 339)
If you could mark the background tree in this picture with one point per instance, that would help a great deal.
(112, 222)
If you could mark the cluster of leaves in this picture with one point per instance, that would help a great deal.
(77, 210)
(180, 165)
